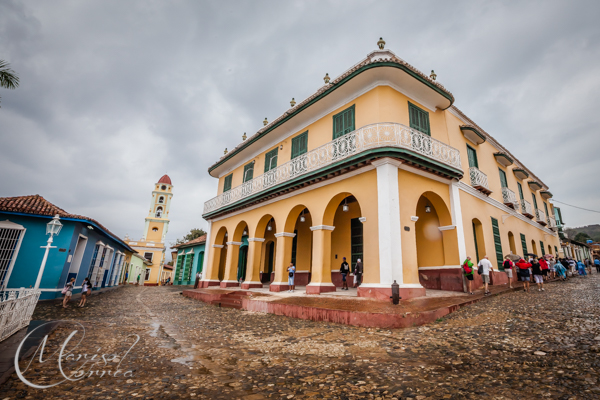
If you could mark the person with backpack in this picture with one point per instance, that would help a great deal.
(358, 271)
(523, 272)
(344, 270)
(508, 266)
(484, 269)
(467, 268)
(291, 272)
(536, 268)
(68, 292)
(545, 267)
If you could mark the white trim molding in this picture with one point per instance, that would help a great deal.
(256, 240)
(218, 246)
(234, 243)
(229, 281)
(322, 227)
(447, 227)
(285, 234)
(321, 284)
(440, 267)
(252, 283)
(411, 286)
(414, 218)
(362, 219)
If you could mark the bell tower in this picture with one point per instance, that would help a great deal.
(157, 221)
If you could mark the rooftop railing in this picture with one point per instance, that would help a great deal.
(365, 138)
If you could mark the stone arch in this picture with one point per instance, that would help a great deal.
(299, 222)
(232, 260)
(219, 250)
(534, 248)
(478, 238)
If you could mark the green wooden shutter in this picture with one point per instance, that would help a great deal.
(294, 247)
(556, 251)
(299, 145)
(271, 159)
(524, 244)
(343, 122)
(497, 243)
(472, 156)
(356, 241)
(534, 201)
(227, 183)
(248, 172)
(542, 246)
(475, 240)
(200, 261)
(179, 268)
(546, 209)
(520, 190)
(419, 119)
(503, 178)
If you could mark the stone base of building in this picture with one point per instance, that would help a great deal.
(251, 285)
(205, 284)
(443, 278)
(226, 284)
(385, 293)
(318, 289)
(302, 278)
(278, 287)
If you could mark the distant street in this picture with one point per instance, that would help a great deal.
(514, 346)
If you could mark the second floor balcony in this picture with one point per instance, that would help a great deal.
(526, 208)
(552, 223)
(394, 137)
(510, 198)
(540, 217)
(479, 180)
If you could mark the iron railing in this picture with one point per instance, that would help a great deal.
(478, 178)
(526, 207)
(540, 216)
(510, 198)
(552, 223)
(16, 309)
(365, 138)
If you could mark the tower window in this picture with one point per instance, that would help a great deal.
(159, 211)
(163, 187)
(148, 256)
(155, 229)
(161, 199)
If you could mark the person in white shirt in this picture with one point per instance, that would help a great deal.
(486, 267)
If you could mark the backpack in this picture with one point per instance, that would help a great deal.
(468, 270)
(480, 269)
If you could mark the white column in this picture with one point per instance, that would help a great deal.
(388, 211)
(457, 220)
(207, 247)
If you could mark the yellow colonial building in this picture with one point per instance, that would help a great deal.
(152, 244)
(378, 164)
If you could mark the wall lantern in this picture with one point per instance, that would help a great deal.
(427, 206)
(345, 207)
(302, 219)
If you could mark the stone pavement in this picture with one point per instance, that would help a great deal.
(513, 346)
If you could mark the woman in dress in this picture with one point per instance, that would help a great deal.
(68, 291)
(85, 287)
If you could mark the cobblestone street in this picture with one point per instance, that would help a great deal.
(514, 346)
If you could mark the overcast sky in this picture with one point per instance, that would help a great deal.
(114, 94)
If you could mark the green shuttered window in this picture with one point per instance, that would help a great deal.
(556, 251)
(248, 171)
(520, 190)
(295, 248)
(299, 144)
(419, 119)
(524, 244)
(472, 157)
(356, 241)
(534, 201)
(542, 247)
(343, 122)
(503, 182)
(497, 243)
(227, 183)
(271, 159)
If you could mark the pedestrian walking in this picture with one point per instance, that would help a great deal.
(358, 271)
(597, 264)
(197, 282)
(551, 268)
(581, 267)
(508, 266)
(544, 266)
(291, 273)
(138, 279)
(86, 289)
(560, 271)
(344, 270)
(536, 268)
(524, 274)
(467, 267)
(68, 292)
(485, 266)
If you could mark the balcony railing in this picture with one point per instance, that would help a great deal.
(540, 217)
(510, 198)
(479, 180)
(16, 309)
(526, 208)
(552, 223)
(365, 138)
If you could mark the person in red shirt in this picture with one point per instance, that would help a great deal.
(523, 272)
(545, 268)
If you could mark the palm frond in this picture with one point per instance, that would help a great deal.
(8, 77)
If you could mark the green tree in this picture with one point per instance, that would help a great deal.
(582, 237)
(194, 234)
(8, 77)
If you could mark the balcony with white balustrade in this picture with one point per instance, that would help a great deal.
(510, 198)
(353, 149)
(526, 209)
(552, 223)
(540, 217)
(479, 180)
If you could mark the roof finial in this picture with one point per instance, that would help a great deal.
(326, 78)
(244, 136)
(265, 122)
(381, 43)
(433, 75)
(225, 152)
(293, 102)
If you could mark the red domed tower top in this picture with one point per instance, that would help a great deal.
(165, 179)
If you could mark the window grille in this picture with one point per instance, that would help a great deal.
(10, 241)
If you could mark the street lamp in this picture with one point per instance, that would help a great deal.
(52, 228)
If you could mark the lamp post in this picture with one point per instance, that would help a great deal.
(52, 228)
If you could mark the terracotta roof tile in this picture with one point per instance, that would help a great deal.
(198, 240)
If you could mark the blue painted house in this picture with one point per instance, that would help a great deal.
(190, 257)
(83, 248)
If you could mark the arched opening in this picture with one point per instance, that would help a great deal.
(266, 229)
(344, 212)
(511, 243)
(159, 211)
(161, 199)
(242, 263)
(549, 249)
(238, 246)
(430, 241)
(534, 248)
(219, 257)
(478, 239)
(298, 222)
